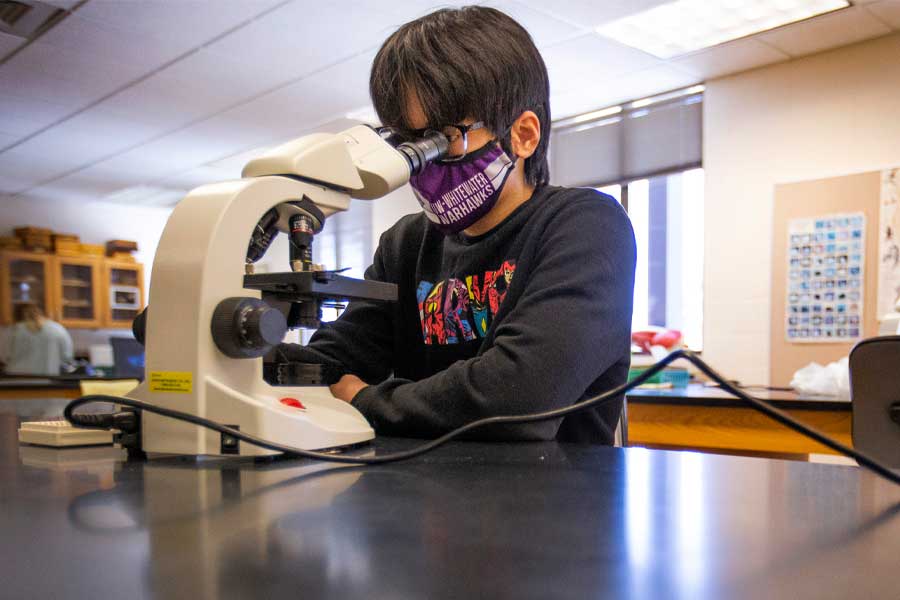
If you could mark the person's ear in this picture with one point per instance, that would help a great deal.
(525, 134)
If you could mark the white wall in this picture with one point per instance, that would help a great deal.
(388, 210)
(95, 223)
(825, 115)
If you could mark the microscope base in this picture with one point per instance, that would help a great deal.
(303, 417)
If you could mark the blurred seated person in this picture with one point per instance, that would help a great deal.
(36, 345)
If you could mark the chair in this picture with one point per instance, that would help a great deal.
(875, 393)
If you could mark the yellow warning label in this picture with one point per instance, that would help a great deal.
(177, 382)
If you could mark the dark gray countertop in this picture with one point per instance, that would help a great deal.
(471, 520)
(699, 395)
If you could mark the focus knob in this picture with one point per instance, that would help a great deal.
(247, 327)
(139, 327)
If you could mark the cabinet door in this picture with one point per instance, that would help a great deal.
(26, 278)
(124, 294)
(78, 291)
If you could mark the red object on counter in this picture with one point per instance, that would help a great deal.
(667, 338)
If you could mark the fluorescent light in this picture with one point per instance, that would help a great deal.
(597, 114)
(588, 116)
(684, 26)
(593, 124)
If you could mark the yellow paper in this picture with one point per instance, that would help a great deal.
(120, 387)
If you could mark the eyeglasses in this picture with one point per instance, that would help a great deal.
(457, 136)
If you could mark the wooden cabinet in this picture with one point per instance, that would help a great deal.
(84, 292)
(25, 278)
(124, 284)
(78, 291)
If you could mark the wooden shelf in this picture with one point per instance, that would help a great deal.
(73, 290)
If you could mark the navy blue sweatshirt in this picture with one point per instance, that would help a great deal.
(532, 315)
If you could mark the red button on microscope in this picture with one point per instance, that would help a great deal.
(292, 402)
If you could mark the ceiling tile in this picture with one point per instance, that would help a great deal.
(99, 41)
(327, 95)
(599, 94)
(275, 42)
(589, 58)
(408, 10)
(197, 176)
(832, 30)
(20, 116)
(8, 43)
(229, 77)
(201, 85)
(20, 170)
(732, 57)
(886, 11)
(71, 78)
(6, 139)
(187, 23)
(590, 13)
(80, 141)
(545, 30)
(94, 182)
(66, 4)
(182, 150)
(65, 191)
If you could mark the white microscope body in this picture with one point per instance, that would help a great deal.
(200, 262)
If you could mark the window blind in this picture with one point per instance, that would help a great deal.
(636, 143)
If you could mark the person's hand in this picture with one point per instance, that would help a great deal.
(347, 387)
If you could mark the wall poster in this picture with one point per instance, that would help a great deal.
(889, 243)
(826, 278)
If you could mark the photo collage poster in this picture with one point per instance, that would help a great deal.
(826, 278)
(889, 244)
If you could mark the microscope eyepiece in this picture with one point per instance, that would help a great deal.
(433, 146)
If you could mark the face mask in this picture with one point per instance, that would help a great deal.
(455, 195)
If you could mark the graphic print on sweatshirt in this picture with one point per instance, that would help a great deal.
(462, 309)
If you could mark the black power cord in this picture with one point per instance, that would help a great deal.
(776, 414)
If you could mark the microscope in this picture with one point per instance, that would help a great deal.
(212, 323)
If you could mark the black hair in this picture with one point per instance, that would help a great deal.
(474, 62)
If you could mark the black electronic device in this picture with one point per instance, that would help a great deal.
(875, 394)
(128, 358)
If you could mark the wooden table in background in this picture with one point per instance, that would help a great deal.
(709, 419)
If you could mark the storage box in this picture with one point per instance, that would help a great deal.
(67, 237)
(67, 247)
(27, 231)
(37, 242)
(119, 246)
(676, 377)
(10, 242)
(92, 249)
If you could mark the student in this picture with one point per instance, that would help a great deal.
(37, 345)
(514, 296)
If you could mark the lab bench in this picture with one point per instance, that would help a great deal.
(470, 520)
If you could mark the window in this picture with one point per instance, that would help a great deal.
(667, 215)
(647, 154)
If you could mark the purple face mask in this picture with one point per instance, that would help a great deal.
(454, 195)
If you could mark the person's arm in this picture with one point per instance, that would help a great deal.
(572, 322)
(66, 350)
(9, 347)
(360, 341)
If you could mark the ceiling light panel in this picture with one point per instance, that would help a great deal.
(684, 26)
